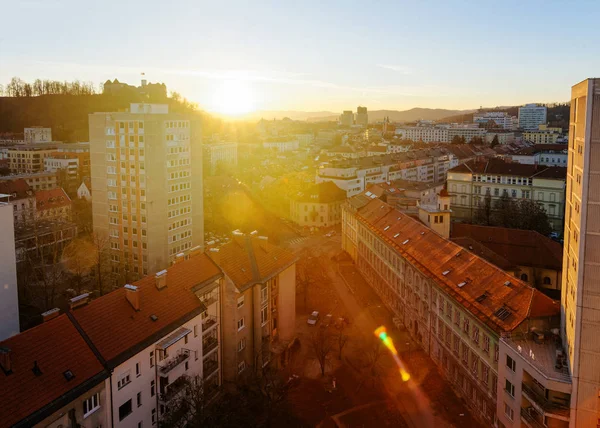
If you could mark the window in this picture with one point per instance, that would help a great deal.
(510, 388)
(151, 358)
(486, 344)
(242, 344)
(153, 416)
(138, 370)
(496, 352)
(466, 325)
(195, 331)
(524, 277)
(510, 363)
(124, 379)
(485, 374)
(509, 412)
(240, 302)
(152, 388)
(264, 293)
(140, 424)
(476, 334)
(240, 324)
(547, 281)
(91, 405)
(125, 410)
(264, 315)
(139, 399)
(241, 366)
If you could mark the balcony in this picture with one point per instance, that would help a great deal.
(209, 344)
(529, 420)
(174, 362)
(209, 367)
(538, 400)
(208, 322)
(173, 389)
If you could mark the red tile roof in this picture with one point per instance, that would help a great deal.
(19, 188)
(499, 167)
(57, 346)
(118, 331)
(519, 247)
(249, 260)
(52, 198)
(324, 193)
(433, 255)
(484, 252)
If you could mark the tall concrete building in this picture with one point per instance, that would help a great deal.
(146, 170)
(362, 117)
(580, 315)
(347, 118)
(9, 299)
(531, 116)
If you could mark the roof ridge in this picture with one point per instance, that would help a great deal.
(252, 258)
(87, 339)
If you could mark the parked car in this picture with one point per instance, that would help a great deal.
(327, 320)
(313, 318)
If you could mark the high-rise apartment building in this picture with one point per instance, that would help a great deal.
(347, 118)
(580, 315)
(146, 168)
(531, 116)
(362, 117)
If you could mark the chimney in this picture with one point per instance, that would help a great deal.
(51, 314)
(161, 279)
(179, 258)
(78, 301)
(195, 251)
(133, 296)
(262, 242)
(5, 360)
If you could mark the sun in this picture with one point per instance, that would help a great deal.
(233, 97)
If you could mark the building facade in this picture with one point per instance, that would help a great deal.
(541, 137)
(281, 145)
(531, 116)
(427, 281)
(37, 134)
(362, 116)
(220, 153)
(469, 184)
(347, 118)
(580, 304)
(22, 199)
(9, 296)
(319, 206)
(500, 118)
(147, 181)
(28, 159)
(53, 205)
(36, 181)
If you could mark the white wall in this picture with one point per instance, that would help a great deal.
(9, 299)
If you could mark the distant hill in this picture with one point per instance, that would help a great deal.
(374, 115)
(67, 115)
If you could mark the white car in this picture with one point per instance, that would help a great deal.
(313, 318)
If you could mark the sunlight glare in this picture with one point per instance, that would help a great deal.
(233, 97)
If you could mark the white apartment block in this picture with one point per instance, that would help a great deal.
(467, 132)
(220, 153)
(541, 136)
(36, 181)
(146, 176)
(440, 133)
(500, 118)
(354, 176)
(281, 145)
(503, 137)
(37, 134)
(531, 116)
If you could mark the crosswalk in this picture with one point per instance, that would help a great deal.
(297, 241)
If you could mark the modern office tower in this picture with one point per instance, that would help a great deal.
(146, 167)
(531, 116)
(580, 314)
(362, 117)
(347, 118)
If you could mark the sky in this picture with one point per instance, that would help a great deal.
(239, 56)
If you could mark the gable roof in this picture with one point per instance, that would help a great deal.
(323, 193)
(484, 252)
(119, 332)
(519, 247)
(56, 346)
(433, 255)
(496, 166)
(248, 260)
(19, 188)
(52, 198)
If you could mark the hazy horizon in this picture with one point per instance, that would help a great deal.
(237, 58)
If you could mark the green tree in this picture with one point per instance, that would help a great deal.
(457, 139)
(495, 141)
(483, 213)
(532, 216)
(505, 212)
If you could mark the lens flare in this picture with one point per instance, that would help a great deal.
(381, 333)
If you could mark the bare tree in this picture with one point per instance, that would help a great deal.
(101, 262)
(342, 338)
(321, 346)
(79, 259)
(309, 272)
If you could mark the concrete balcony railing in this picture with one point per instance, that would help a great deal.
(174, 362)
(546, 405)
(529, 420)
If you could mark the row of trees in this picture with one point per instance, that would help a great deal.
(19, 88)
(513, 213)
